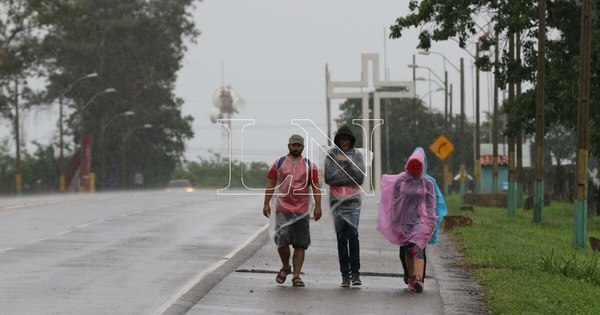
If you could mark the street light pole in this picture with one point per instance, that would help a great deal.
(83, 177)
(60, 128)
(103, 147)
(18, 179)
(462, 132)
(440, 88)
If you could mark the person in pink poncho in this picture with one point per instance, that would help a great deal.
(407, 214)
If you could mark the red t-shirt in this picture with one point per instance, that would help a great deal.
(293, 193)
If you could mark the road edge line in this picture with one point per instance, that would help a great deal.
(193, 291)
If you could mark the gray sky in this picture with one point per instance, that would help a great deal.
(274, 55)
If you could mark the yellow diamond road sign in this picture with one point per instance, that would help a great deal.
(441, 147)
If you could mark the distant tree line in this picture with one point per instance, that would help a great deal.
(99, 59)
(215, 172)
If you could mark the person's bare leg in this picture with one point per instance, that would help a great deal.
(284, 255)
(298, 261)
(418, 266)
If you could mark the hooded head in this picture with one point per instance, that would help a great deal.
(417, 162)
(343, 132)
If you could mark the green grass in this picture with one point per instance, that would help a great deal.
(529, 268)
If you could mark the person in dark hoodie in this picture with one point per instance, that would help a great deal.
(344, 172)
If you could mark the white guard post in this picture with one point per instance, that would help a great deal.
(348, 93)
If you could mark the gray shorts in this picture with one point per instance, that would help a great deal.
(296, 234)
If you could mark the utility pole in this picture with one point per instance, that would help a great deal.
(538, 201)
(477, 126)
(447, 178)
(495, 126)
(583, 128)
(18, 179)
(463, 169)
(511, 138)
(450, 128)
(61, 144)
(327, 102)
(415, 85)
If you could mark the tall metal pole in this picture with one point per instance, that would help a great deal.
(477, 127)
(462, 131)
(415, 85)
(61, 144)
(430, 105)
(495, 126)
(511, 139)
(583, 128)
(328, 102)
(450, 128)
(538, 201)
(18, 179)
(447, 177)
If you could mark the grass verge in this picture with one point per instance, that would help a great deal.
(529, 268)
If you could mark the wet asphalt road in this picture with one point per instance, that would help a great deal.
(113, 253)
(198, 253)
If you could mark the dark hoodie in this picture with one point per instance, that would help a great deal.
(347, 173)
(344, 131)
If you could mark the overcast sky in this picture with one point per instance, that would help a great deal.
(274, 54)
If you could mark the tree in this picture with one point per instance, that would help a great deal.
(463, 20)
(135, 47)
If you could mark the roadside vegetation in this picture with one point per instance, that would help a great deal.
(529, 268)
(218, 172)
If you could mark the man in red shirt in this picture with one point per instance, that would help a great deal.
(292, 180)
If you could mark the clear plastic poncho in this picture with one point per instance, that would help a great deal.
(344, 173)
(293, 196)
(408, 208)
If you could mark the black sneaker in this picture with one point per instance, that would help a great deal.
(418, 286)
(345, 282)
(356, 280)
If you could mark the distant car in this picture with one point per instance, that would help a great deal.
(180, 185)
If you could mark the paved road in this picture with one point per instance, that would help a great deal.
(201, 253)
(114, 253)
(248, 286)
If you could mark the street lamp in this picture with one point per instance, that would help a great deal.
(88, 103)
(432, 91)
(103, 157)
(124, 139)
(83, 166)
(60, 123)
(428, 52)
(440, 87)
(106, 91)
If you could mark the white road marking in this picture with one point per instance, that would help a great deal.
(188, 286)
(36, 241)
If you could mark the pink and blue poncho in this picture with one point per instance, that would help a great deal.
(411, 206)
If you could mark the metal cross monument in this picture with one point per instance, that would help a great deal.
(348, 86)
